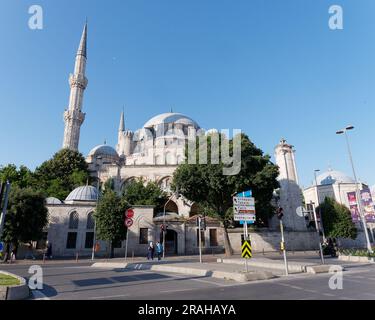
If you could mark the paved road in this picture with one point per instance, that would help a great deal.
(69, 280)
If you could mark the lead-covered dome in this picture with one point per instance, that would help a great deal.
(53, 201)
(103, 150)
(332, 177)
(170, 117)
(84, 193)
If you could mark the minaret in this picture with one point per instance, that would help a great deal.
(290, 192)
(74, 117)
(125, 139)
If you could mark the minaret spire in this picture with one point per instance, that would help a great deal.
(122, 122)
(82, 50)
(74, 117)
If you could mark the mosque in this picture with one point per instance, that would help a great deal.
(153, 153)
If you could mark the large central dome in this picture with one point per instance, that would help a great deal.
(332, 177)
(170, 117)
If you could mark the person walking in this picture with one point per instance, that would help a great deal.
(159, 250)
(49, 251)
(29, 252)
(150, 251)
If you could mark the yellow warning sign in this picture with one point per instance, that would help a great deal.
(246, 249)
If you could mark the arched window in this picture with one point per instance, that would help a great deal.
(90, 221)
(73, 220)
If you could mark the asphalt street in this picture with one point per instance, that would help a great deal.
(69, 280)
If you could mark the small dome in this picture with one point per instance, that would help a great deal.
(170, 117)
(85, 193)
(53, 200)
(332, 177)
(103, 150)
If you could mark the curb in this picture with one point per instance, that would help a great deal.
(236, 276)
(292, 268)
(110, 265)
(19, 292)
(356, 259)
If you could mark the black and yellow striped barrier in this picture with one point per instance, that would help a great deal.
(246, 249)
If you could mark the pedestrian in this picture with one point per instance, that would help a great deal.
(29, 252)
(13, 253)
(150, 251)
(49, 251)
(159, 250)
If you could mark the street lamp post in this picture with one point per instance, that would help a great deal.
(318, 204)
(358, 195)
(317, 230)
(164, 227)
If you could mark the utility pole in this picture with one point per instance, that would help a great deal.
(317, 230)
(358, 194)
(200, 239)
(318, 204)
(4, 211)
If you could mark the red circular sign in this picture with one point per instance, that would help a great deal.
(128, 222)
(129, 213)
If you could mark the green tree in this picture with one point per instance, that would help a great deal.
(139, 193)
(26, 216)
(21, 177)
(109, 218)
(66, 170)
(337, 220)
(211, 189)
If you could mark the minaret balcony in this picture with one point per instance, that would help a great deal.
(78, 80)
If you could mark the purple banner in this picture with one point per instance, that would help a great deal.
(353, 206)
(367, 205)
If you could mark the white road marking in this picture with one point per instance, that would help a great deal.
(180, 290)
(39, 296)
(108, 297)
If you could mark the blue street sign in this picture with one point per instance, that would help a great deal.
(246, 194)
(1, 246)
(248, 222)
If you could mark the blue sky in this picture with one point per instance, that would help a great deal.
(271, 68)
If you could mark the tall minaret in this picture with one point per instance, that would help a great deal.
(290, 191)
(74, 117)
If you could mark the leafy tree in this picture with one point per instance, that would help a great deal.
(109, 218)
(66, 170)
(139, 193)
(26, 216)
(337, 220)
(210, 188)
(21, 177)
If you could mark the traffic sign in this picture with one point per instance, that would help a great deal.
(246, 249)
(244, 209)
(241, 201)
(129, 213)
(1, 246)
(244, 217)
(128, 222)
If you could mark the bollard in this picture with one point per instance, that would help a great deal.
(263, 251)
(44, 257)
(77, 257)
(132, 255)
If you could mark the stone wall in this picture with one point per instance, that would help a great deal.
(269, 240)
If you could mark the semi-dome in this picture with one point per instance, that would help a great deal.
(53, 200)
(332, 177)
(170, 117)
(103, 150)
(84, 193)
